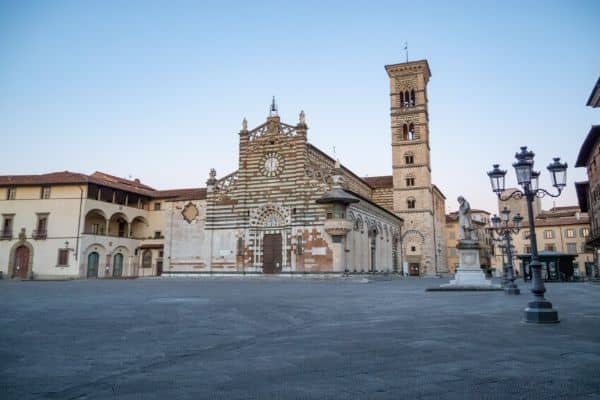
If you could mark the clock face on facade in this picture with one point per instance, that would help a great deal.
(271, 164)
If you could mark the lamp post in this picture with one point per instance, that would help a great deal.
(501, 225)
(539, 310)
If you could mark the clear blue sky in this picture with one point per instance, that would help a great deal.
(158, 90)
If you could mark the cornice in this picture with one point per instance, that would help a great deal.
(407, 166)
(411, 67)
(412, 143)
(410, 188)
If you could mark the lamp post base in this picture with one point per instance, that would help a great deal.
(541, 312)
(512, 290)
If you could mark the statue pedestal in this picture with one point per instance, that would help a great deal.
(469, 275)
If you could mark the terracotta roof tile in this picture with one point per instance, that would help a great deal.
(182, 194)
(380, 182)
(116, 179)
(44, 179)
(100, 178)
(583, 220)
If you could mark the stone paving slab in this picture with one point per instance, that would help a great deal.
(292, 339)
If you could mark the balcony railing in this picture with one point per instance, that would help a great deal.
(133, 236)
(100, 233)
(39, 234)
(6, 234)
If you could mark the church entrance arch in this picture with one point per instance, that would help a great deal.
(272, 257)
(271, 224)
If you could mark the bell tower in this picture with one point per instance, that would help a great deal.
(415, 198)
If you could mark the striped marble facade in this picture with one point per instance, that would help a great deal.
(274, 192)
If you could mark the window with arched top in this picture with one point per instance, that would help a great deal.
(406, 99)
(405, 132)
(412, 98)
(411, 202)
(271, 219)
(411, 132)
(401, 99)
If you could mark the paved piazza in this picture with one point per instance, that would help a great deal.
(276, 338)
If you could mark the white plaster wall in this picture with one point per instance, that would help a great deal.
(158, 219)
(63, 212)
(224, 246)
(186, 244)
(360, 252)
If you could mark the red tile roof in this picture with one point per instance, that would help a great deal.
(64, 177)
(380, 182)
(560, 212)
(583, 220)
(111, 178)
(182, 194)
(100, 178)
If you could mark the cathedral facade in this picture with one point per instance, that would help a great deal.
(289, 208)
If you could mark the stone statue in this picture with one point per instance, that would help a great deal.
(212, 180)
(337, 179)
(465, 223)
(244, 124)
(302, 118)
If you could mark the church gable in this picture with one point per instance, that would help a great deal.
(271, 160)
(273, 127)
(271, 172)
(277, 165)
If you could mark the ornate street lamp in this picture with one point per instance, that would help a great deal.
(504, 229)
(539, 310)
